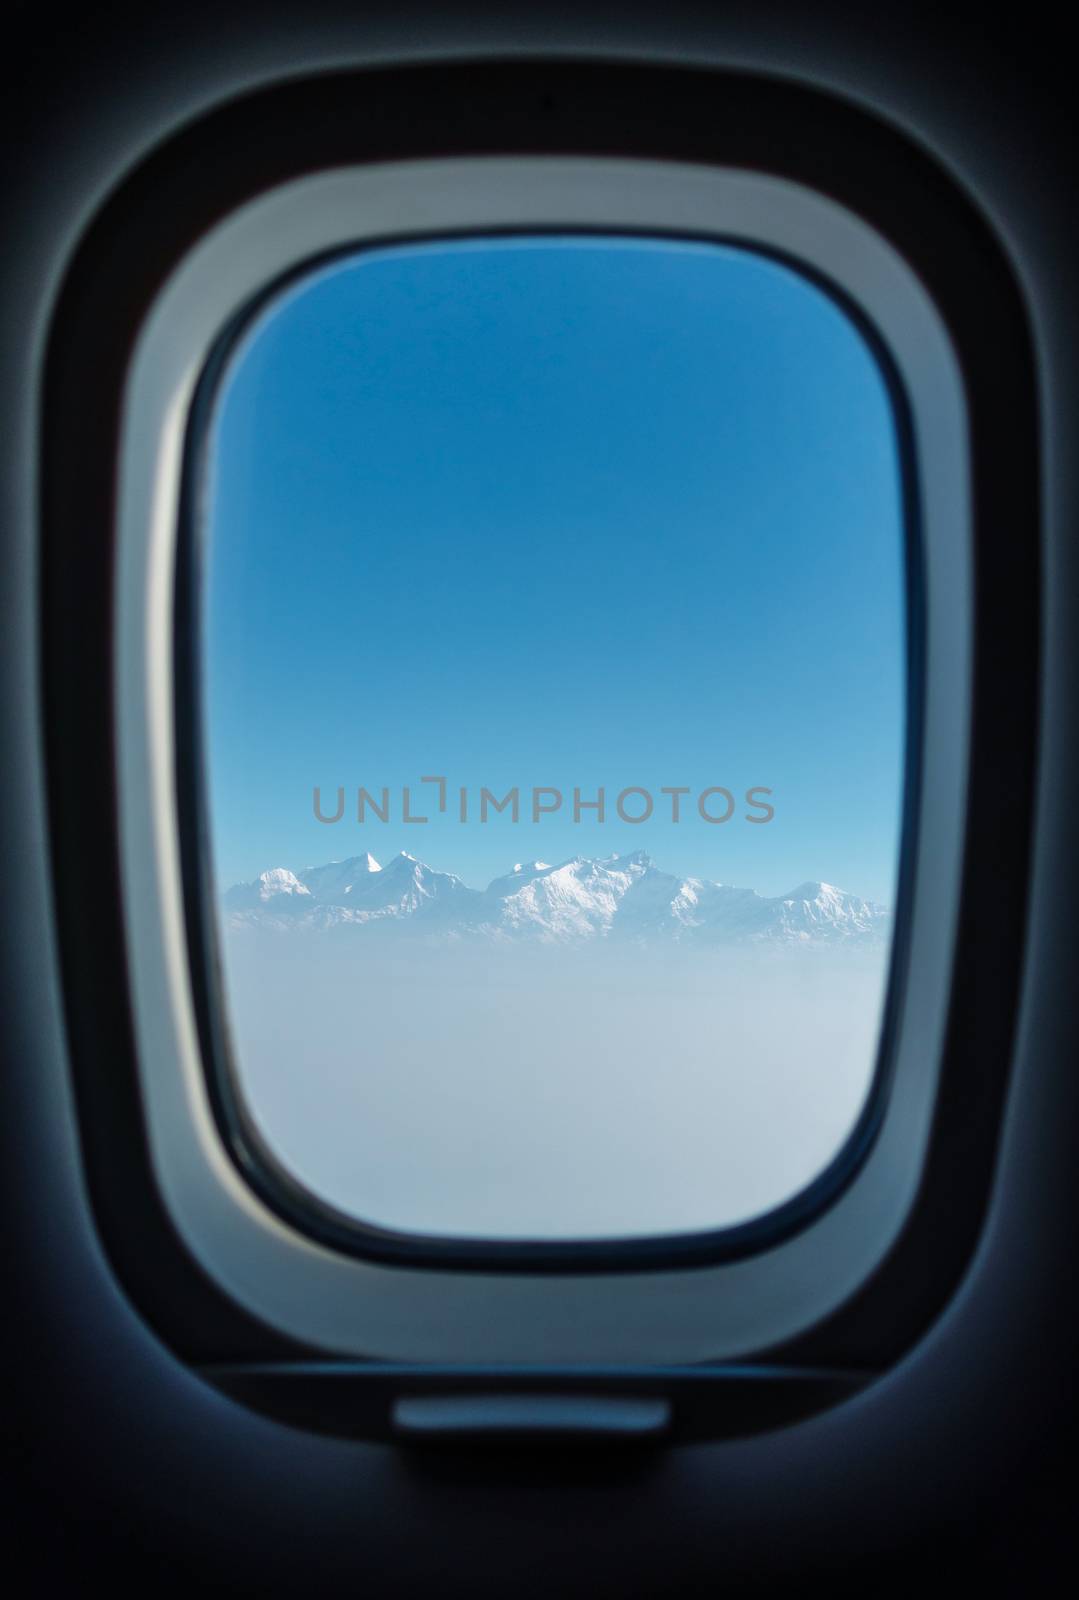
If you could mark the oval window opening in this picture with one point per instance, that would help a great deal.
(552, 671)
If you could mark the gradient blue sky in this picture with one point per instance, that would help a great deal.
(561, 512)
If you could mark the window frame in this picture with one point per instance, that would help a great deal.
(668, 1300)
(272, 130)
(252, 1153)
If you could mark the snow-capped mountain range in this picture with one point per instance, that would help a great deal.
(582, 900)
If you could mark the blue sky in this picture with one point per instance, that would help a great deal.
(557, 512)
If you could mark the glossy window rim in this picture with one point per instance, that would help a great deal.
(676, 1309)
(284, 1190)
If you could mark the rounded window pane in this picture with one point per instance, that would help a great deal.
(552, 676)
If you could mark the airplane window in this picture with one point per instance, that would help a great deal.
(552, 666)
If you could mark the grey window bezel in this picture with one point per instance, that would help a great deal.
(353, 1306)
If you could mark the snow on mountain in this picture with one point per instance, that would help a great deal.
(408, 887)
(276, 888)
(340, 882)
(815, 910)
(579, 901)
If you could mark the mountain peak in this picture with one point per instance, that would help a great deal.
(279, 880)
(812, 889)
(616, 898)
